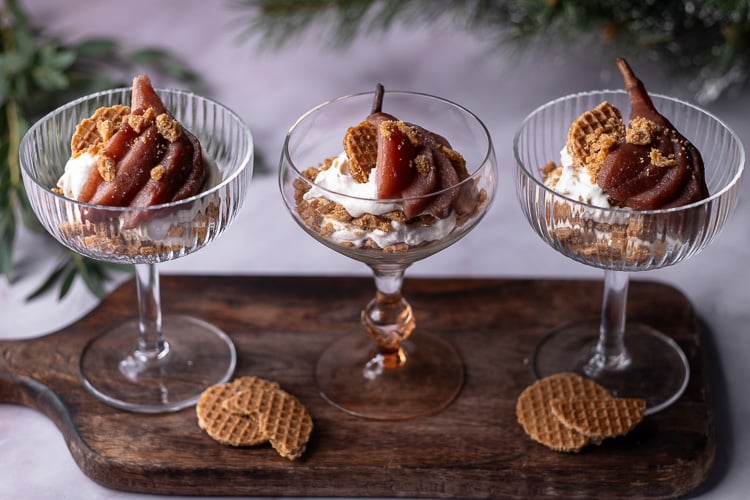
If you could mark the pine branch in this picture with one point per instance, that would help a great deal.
(279, 22)
(38, 74)
(707, 42)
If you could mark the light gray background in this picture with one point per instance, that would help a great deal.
(270, 89)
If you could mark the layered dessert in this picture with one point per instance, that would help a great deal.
(395, 186)
(642, 165)
(646, 165)
(137, 156)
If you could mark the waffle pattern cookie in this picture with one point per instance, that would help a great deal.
(599, 418)
(361, 147)
(93, 133)
(249, 384)
(566, 412)
(275, 415)
(282, 418)
(246, 388)
(221, 424)
(593, 135)
(535, 414)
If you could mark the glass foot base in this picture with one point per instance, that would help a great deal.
(351, 378)
(196, 356)
(655, 369)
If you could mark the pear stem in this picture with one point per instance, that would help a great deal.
(640, 102)
(377, 103)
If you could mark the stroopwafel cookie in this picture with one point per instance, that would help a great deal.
(535, 415)
(593, 135)
(221, 424)
(250, 411)
(361, 147)
(599, 418)
(247, 385)
(92, 133)
(281, 417)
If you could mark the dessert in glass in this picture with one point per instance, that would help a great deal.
(625, 197)
(142, 183)
(388, 189)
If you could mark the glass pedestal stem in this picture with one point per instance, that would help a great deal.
(388, 318)
(395, 377)
(610, 352)
(151, 343)
(151, 374)
(651, 366)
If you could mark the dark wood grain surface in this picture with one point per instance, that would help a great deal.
(473, 449)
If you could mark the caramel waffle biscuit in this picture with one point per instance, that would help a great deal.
(281, 417)
(286, 424)
(361, 146)
(250, 397)
(245, 389)
(599, 418)
(93, 133)
(592, 136)
(535, 414)
(221, 424)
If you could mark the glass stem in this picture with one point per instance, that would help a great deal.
(610, 352)
(388, 317)
(151, 343)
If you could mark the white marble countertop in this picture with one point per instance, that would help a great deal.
(269, 90)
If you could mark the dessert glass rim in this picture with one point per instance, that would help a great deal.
(712, 196)
(245, 162)
(475, 174)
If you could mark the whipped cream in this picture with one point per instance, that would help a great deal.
(411, 234)
(76, 174)
(360, 199)
(78, 169)
(575, 182)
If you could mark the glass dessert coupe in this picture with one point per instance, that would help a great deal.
(148, 364)
(382, 374)
(633, 359)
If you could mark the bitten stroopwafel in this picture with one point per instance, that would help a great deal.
(599, 418)
(535, 414)
(593, 135)
(275, 415)
(281, 417)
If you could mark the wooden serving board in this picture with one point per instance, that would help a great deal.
(473, 449)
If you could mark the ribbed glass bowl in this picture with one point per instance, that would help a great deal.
(147, 234)
(632, 359)
(151, 363)
(621, 239)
